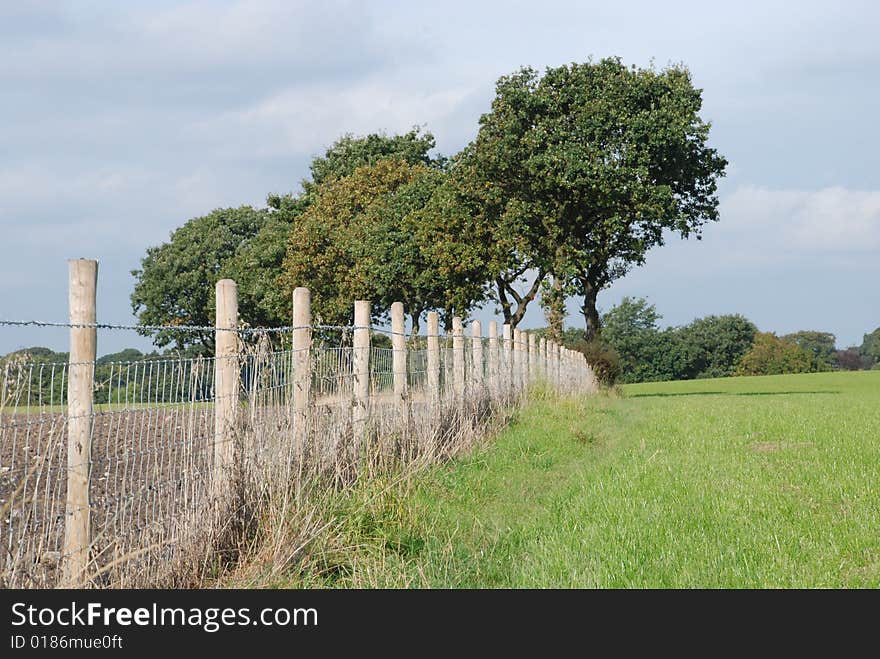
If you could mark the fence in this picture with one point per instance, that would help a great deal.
(130, 473)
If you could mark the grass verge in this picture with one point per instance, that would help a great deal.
(740, 482)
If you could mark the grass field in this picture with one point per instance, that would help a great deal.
(740, 482)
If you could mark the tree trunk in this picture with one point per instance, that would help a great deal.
(506, 290)
(553, 302)
(591, 314)
(501, 287)
(415, 316)
(447, 319)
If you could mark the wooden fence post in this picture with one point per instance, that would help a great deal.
(559, 365)
(542, 356)
(225, 388)
(533, 357)
(434, 356)
(477, 348)
(507, 358)
(398, 351)
(302, 365)
(492, 365)
(458, 357)
(83, 283)
(563, 365)
(361, 368)
(517, 359)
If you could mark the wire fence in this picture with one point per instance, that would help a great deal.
(159, 499)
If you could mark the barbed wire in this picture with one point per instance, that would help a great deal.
(211, 328)
(154, 435)
(180, 328)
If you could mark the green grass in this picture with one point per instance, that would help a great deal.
(739, 482)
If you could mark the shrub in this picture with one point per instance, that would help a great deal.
(870, 348)
(602, 358)
(770, 355)
(715, 344)
(820, 344)
(851, 360)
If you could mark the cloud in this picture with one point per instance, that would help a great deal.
(127, 42)
(123, 120)
(305, 119)
(779, 222)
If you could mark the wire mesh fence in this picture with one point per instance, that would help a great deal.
(149, 458)
(159, 501)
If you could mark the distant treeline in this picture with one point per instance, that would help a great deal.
(633, 348)
(37, 376)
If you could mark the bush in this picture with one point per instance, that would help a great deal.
(602, 358)
(715, 344)
(770, 355)
(870, 348)
(852, 360)
(820, 344)
(708, 347)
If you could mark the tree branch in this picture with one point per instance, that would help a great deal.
(524, 300)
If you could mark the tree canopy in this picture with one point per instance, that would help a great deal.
(350, 152)
(716, 344)
(770, 355)
(364, 237)
(259, 266)
(632, 330)
(575, 174)
(590, 165)
(256, 267)
(175, 283)
(870, 348)
(820, 344)
(706, 348)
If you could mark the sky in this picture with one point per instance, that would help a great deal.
(121, 121)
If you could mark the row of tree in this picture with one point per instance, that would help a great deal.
(37, 377)
(636, 349)
(573, 176)
(632, 348)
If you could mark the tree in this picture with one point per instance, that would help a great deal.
(820, 344)
(31, 375)
(716, 344)
(553, 304)
(629, 318)
(851, 359)
(259, 266)
(870, 348)
(770, 355)
(399, 252)
(349, 152)
(466, 220)
(256, 267)
(631, 330)
(591, 165)
(363, 237)
(175, 283)
(706, 348)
